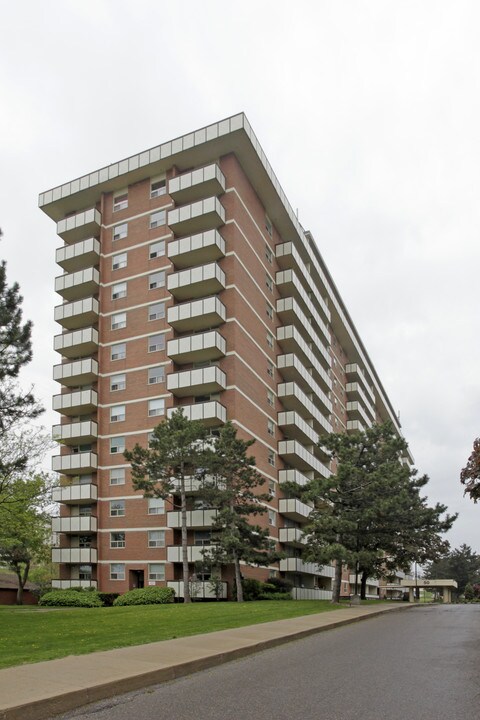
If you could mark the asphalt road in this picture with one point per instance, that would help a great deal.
(417, 665)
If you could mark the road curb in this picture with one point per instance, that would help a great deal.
(62, 702)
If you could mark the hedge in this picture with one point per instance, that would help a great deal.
(146, 596)
(70, 598)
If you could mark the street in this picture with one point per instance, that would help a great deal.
(422, 664)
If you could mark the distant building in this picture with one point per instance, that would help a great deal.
(187, 280)
(9, 587)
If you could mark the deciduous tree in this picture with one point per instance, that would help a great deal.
(470, 475)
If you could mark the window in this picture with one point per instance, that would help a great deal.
(271, 427)
(156, 571)
(117, 540)
(156, 538)
(156, 407)
(84, 541)
(117, 476)
(156, 280)
(157, 249)
(272, 488)
(202, 537)
(118, 352)
(270, 368)
(117, 445)
(117, 508)
(270, 398)
(156, 343)
(156, 506)
(85, 572)
(85, 511)
(156, 375)
(158, 187)
(272, 520)
(157, 311)
(117, 571)
(118, 382)
(268, 225)
(119, 261)
(269, 282)
(157, 219)
(119, 290)
(117, 413)
(120, 201)
(120, 231)
(269, 311)
(271, 458)
(270, 339)
(119, 321)
(268, 254)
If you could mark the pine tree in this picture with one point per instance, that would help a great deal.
(232, 487)
(174, 454)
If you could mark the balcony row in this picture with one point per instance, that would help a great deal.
(77, 343)
(79, 284)
(78, 256)
(196, 249)
(196, 184)
(196, 282)
(74, 555)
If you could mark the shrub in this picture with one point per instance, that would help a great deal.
(70, 598)
(252, 588)
(278, 584)
(146, 596)
(108, 598)
(275, 596)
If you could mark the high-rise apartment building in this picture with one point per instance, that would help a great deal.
(187, 280)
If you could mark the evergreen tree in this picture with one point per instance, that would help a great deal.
(174, 454)
(470, 475)
(461, 564)
(232, 486)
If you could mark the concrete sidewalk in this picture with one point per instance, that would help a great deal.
(43, 690)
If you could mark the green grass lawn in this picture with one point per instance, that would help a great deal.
(30, 634)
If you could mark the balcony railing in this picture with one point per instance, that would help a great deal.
(76, 285)
(355, 373)
(296, 428)
(197, 282)
(356, 411)
(76, 432)
(297, 565)
(197, 314)
(74, 555)
(196, 184)
(195, 518)
(78, 256)
(293, 398)
(202, 381)
(291, 341)
(197, 217)
(294, 509)
(355, 393)
(77, 343)
(74, 463)
(211, 413)
(67, 584)
(291, 536)
(197, 348)
(355, 426)
(289, 258)
(79, 372)
(198, 589)
(78, 313)
(195, 553)
(291, 368)
(293, 453)
(311, 594)
(75, 494)
(293, 476)
(78, 402)
(76, 524)
(291, 313)
(196, 249)
(80, 226)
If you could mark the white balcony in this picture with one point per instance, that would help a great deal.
(293, 476)
(74, 524)
(196, 282)
(197, 217)
(79, 372)
(311, 594)
(294, 427)
(373, 583)
(77, 343)
(290, 313)
(80, 226)
(79, 402)
(198, 590)
(75, 494)
(78, 256)
(195, 553)
(355, 393)
(77, 314)
(297, 565)
(75, 433)
(293, 453)
(294, 509)
(84, 556)
(202, 381)
(76, 285)
(197, 348)
(195, 518)
(356, 411)
(196, 249)
(289, 284)
(291, 341)
(288, 258)
(291, 536)
(312, 379)
(355, 374)
(76, 462)
(293, 398)
(196, 184)
(211, 413)
(68, 584)
(355, 426)
(197, 314)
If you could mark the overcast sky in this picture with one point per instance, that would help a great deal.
(369, 113)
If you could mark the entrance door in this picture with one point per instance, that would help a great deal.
(137, 579)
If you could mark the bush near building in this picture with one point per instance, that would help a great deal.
(146, 596)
